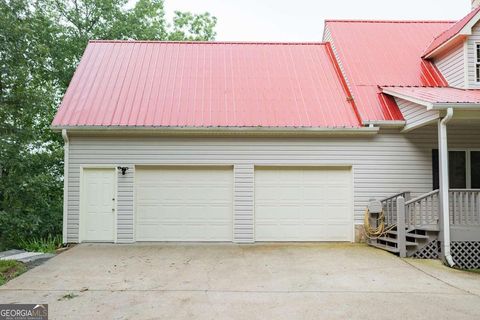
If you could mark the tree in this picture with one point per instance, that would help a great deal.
(41, 42)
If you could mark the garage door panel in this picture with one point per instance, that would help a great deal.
(303, 204)
(184, 204)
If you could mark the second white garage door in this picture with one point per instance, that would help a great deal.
(184, 203)
(303, 204)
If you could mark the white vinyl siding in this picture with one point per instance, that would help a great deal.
(244, 202)
(452, 67)
(382, 164)
(125, 203)
(416, 115)
(471, 56)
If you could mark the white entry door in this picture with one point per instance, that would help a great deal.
(98, 205)
(303, 204)
(184, 203)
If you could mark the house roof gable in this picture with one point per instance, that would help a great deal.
(461, 28)
(379, 53)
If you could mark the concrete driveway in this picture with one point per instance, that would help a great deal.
(280, 281)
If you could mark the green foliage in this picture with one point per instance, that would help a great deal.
(10, 269)
(41, 43)
(46, 245)
(68, 296)
(193, 27)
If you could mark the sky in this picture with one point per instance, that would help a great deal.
(302, 20)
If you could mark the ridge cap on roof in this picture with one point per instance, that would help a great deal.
(320, 43)
(388, 21)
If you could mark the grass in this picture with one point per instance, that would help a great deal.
(46, 245)
(68, 296)
(475, 270)
(10, 269)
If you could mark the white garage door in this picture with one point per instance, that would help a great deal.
(184, 203)
(303, 204)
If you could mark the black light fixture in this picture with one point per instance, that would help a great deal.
(124, 170)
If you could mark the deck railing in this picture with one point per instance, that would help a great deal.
(423, 212)
(425, 209)
(465, 207)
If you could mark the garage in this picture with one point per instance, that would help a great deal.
(184, 203)
(303, 204)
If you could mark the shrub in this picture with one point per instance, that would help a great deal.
(46, 245)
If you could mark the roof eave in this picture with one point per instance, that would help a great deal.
(458, 38)
(221, 130)
(464, 32)
(407, 97)
(386, 123)
(434, 105)
(455, 105)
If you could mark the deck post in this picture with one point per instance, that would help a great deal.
(401, 232)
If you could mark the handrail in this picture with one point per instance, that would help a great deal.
(395, 196)
(423, 196)
(423, 210)
(390, 207)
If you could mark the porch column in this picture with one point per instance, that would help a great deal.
(444, 214)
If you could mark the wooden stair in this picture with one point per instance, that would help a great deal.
(416, 239)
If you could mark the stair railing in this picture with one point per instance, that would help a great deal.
(390, 207)
(423, 211)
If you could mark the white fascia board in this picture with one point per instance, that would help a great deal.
(465, 32)
(454, 105)
(442, 47)
(221, 130)
(408, 98)
(386, 123)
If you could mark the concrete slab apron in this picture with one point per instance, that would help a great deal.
(279, 281)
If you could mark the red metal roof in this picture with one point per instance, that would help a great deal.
(207, 84)
(378, 53)
(437, 95)
(451, 32)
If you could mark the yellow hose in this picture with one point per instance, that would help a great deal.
(375, 232)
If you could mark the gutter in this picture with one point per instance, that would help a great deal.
(433, 105)
(65, 184)
(387, 123)
(444, 186)
(218, 130)
(456, 105)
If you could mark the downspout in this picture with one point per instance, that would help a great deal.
(65, 183)
(444, 187)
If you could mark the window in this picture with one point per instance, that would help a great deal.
(463, 169)
(477, 62)
(475, 168)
